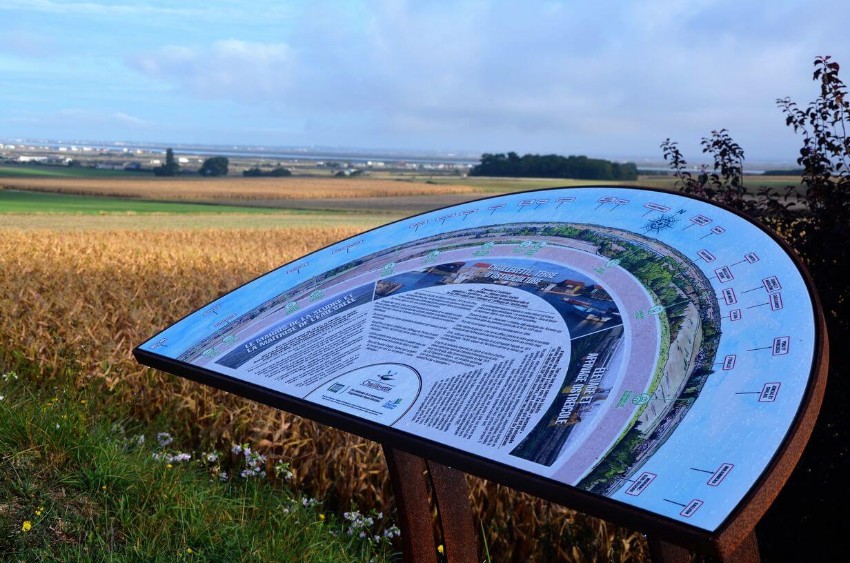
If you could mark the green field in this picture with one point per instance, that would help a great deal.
(46, 171)
(15, 201)
(22, 210)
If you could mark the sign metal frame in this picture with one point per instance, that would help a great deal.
(736, 528)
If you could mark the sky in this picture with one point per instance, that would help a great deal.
(607, 79)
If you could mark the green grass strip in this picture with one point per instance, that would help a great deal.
(53, 171)
(21, 201)
(78, 483)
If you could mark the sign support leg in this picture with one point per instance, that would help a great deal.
(431, 499)
(454, 511)
(665, 552)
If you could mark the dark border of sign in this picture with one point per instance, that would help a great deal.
(722, 542)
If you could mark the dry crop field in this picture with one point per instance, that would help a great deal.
(392, 196)
(234, 189)
(80, 294)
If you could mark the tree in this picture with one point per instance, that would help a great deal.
(825, 159)
(725, 183)
(553, 166)
(256, 172)
(822, 238)
(280, 171)
(214, 166)
(815, 221)
(170, 168)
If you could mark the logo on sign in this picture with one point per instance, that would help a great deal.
(376, 385)
(392, 404)
(389, 376)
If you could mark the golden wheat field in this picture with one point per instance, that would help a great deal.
(87, 295)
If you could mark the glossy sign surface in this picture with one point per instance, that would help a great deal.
(638, 345)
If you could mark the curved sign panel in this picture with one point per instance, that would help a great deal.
(633, 344)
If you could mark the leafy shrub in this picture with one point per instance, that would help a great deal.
(813, 217)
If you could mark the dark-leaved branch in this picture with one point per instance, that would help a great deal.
(808, 520)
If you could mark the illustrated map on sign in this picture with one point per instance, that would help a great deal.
(636, 344)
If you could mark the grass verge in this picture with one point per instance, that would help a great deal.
(51, 171)
(81, 482)
(20, 201)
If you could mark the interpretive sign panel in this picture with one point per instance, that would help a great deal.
(638, 345)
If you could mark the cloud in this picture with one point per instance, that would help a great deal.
(26, 44)
(79, 117)
(243, 71)
(548, 76)
(166, 10)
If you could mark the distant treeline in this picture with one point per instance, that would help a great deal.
(277, 172)
(791, 172)
(553, 166)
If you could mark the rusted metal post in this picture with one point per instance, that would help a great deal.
(665, 552)
(454, 512)
(433, 507)
(408, 475)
